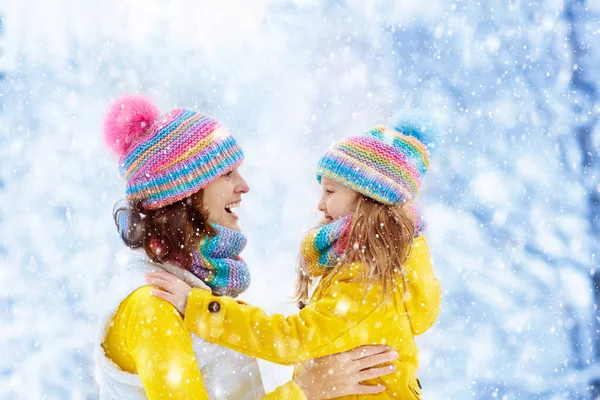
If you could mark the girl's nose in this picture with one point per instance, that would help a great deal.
(322, 206)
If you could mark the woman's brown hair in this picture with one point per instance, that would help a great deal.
(380, 240)
(168, 233)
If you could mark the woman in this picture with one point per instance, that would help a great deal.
(182, 184)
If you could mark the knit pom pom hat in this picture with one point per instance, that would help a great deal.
(166, 158)
(384, 164)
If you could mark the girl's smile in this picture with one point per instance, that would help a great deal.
(337, 200)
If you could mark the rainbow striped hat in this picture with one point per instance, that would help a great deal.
(384, 164)
(167, 158)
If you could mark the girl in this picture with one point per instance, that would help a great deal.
(182, 184)
(375, 279)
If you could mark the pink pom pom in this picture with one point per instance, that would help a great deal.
(126, 119)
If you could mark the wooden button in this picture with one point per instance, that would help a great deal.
(214, 307)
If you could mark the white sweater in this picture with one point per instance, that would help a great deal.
(227, 374)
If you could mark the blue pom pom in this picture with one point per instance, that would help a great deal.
(421, 128)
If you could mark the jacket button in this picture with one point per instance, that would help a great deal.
(214, 307)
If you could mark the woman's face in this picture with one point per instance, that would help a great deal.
(337, 200)
(222, 195)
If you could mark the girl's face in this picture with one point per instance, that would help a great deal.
(222, 195)
(337, 200)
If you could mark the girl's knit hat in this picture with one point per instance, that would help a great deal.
(384, 164)
(166, 158)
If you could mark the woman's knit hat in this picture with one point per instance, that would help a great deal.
(166, 158)
(384, 164)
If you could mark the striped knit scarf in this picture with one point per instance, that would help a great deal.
(217, 262)
(324, 245)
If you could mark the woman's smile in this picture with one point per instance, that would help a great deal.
(229, 208)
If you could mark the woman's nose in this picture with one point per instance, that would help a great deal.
(242, 186)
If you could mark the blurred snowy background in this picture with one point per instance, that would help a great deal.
(512, 200)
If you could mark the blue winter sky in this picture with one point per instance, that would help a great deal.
(512, 199)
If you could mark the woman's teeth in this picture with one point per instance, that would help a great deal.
(228, 207)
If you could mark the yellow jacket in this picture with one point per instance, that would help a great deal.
(340, 317)
(147, 336)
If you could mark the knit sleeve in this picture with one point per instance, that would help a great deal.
(161, 348)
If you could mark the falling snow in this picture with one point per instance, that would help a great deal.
(512, 200)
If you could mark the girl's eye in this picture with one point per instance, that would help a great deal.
(229, 174)
(328, 191)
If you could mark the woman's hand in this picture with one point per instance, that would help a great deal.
(340, 374)
(170, 288)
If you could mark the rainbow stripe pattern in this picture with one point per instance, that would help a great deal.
(384, 164)
(324, 246)
(217, 262)
(179, 154)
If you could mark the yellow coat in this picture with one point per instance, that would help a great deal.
(339, 317)
(148, 337)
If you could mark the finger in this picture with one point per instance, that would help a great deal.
(162, 294)
(356, 389)
(162, 284)
(375, 372)
(367, 351)
(164, 276)
(367, 389)
(377, 359)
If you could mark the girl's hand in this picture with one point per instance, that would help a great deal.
(170, 288)
(340, 374)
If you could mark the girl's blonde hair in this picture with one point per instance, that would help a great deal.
(380, 240)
